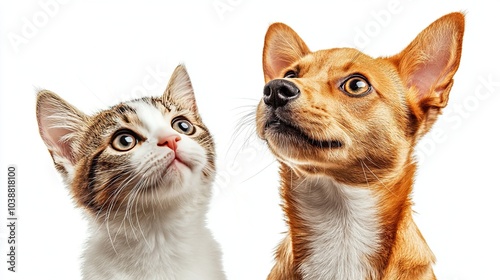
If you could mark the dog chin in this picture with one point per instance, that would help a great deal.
(289, 135)
(293, 147)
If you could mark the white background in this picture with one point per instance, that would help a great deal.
(95, 53)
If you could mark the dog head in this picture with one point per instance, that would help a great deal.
(341, 113)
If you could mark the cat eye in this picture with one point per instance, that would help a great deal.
(356, 86)
(183, 126)
(124, 141)
(290, 74)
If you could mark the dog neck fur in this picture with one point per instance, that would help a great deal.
(343, 228)
(344, 232)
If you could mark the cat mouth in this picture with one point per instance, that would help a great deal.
(178, 161)
(277, 125)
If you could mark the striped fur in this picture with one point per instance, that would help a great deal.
(146, 197)
(344, 131)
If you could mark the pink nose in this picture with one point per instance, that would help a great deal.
(170, 141)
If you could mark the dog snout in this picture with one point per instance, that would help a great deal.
(277, 93)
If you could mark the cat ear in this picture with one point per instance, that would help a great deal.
(180, 90)
(428, 64)
(58, 123)
(282, 47)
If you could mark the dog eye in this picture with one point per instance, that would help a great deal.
(290, 74)
(356, 86)
(124, 141)
(183, 126)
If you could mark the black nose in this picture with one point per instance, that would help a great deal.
(278, 92)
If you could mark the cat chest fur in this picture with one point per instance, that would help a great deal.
(168, 246)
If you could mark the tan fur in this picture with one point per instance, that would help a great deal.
(377, 131)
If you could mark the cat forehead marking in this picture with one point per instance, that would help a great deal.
(152, 118)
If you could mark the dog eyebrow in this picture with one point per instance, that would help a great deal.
(298, 69)
(347, 66)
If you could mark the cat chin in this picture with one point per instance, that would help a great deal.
(178, 180)
(181, 167)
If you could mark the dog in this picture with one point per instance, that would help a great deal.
(343, 127)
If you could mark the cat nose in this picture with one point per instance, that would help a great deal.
(170, 141)
(277, 93)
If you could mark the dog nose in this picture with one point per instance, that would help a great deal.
(278, 92)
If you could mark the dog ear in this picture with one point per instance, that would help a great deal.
(282, 47)
(427, 67)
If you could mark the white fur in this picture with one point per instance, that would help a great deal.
(161, 235)
(168, 244)
(344, 229)
(155, 124)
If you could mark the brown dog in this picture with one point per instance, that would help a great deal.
(343, 127)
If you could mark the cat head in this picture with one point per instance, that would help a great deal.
(154, 149)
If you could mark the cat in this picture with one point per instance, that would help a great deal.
(142, 171)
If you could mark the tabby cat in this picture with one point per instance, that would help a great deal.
(142, 171)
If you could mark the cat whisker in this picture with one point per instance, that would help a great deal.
(114, 199)
(137, 218)
(109, 182)
(247, 120)
(258, 172)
